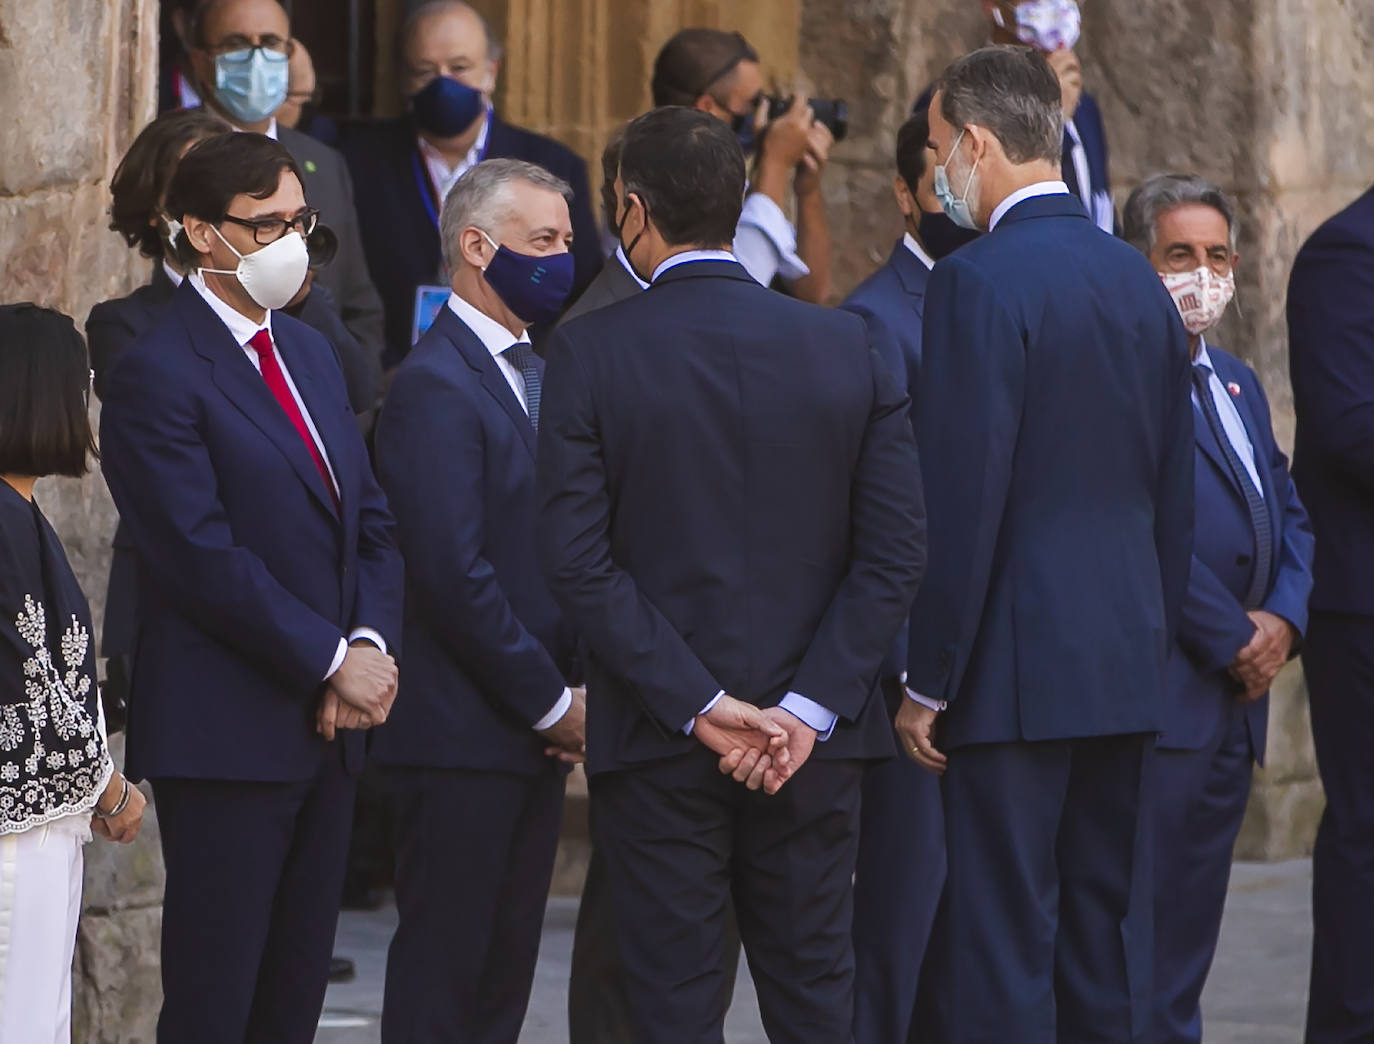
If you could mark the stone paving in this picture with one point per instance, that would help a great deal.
(1257, 993)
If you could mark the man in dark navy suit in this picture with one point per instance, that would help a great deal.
(270, 592)
(404, 167)
(1245, 609)
(474, 751)
(1057, 444)
(901, 865)
(725, 517)
(1052, 27)
(1331, 358)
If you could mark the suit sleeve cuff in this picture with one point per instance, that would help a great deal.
(368, 634)
(338, 660)
(704, 710)
(811, 713)
(557, 712)
(926, 701)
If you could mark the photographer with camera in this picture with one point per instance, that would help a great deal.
(788, 140)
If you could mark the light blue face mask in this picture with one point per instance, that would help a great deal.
(251, 83)
(957, 210)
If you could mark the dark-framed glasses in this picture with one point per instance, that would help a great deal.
(269, 230)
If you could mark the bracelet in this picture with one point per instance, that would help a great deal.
(120, 805)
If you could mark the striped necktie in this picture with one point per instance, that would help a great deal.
(522, 358)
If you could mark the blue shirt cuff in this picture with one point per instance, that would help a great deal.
(704, 710)
(809, 712)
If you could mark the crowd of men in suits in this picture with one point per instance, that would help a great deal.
(920, 647)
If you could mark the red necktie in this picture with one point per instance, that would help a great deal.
(261, 342)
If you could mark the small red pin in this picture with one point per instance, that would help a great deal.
(1233, 388)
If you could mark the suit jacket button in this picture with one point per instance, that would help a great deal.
(1242, 560)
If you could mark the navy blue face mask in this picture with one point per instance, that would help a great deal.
(533, 288)
(446, 108)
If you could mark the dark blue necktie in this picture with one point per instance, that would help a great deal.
(1068, 171)
(522, 357)
(1259, 511)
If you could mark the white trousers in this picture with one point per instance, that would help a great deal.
(40, 904)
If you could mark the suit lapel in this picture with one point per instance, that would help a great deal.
(239, 381)
(472, 349)
(1259, 438)
(327, 417)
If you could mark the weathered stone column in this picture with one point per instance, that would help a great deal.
(79, 80)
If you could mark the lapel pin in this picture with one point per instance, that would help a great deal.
(1233, 388)
(310, 167)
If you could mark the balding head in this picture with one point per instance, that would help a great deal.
(447, 38)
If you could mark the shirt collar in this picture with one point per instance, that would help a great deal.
(271, 130)
(691, 255)
(241, 328)
(910, 242)
(1072, 129)
(494, 337)
(431, 154)
(1040, 188)
(625, 261)
(171, 273)
(1204, 358)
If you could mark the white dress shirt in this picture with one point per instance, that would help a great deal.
(243, 329)
(1040, 188)
(766, 242)
(806, 710)
(171, 273)
(910, 242)
(1231, 422)
(625, 263)
(496, 339)
(440, 173)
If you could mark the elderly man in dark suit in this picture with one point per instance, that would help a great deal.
(474, 751)
(1331, 358)
(403, 168)
(901, 862)
(723, 521)
(1246, 606)
(270, 594)
(240, 53)
(1057, 442)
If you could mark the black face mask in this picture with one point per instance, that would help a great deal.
(742, 124)
(941, 236)
(620, 239)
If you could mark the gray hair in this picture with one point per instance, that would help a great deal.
(1013, 92)
(419, 12)
(481, 198)
(1161, 193)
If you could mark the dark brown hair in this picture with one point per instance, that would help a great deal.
(219, 168)
(140, 181)
(912, 139)
(44, 387)
(693, 60)
(610, 170)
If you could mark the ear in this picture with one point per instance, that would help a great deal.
(985, 143)
(1235, 263)
(493, 71)
(705, 103)
(474, 247)
(905, 203)
(199, 233)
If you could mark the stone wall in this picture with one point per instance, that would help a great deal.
(78, 79)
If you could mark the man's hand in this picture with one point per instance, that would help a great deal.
(915, 726)
(568, 735)
(801, 741)
(1258, 664)
(334, 714)
(1066, 66)
(818, 144)
(782, 148)
(366, 680)
(733, 727)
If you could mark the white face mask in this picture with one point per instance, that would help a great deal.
(1200, 295)
(273, 275)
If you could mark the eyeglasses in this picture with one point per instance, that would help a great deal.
(269, 230)
(273, 46)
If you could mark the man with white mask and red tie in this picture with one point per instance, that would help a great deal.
(1246, 606)
(269, 602)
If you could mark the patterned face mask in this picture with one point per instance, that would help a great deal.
(1046, 25)
(1201, 296)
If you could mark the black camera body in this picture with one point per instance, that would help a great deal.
(833, 112)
